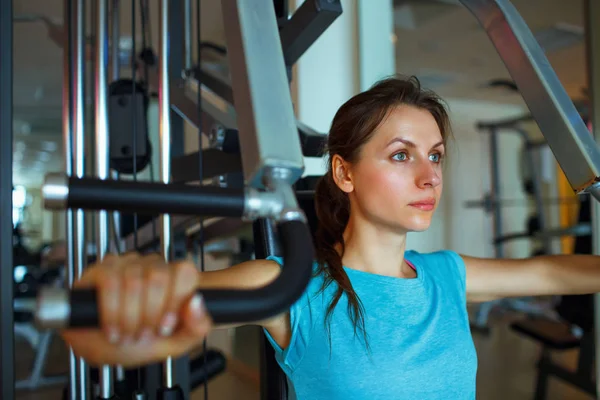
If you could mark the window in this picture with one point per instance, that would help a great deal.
(19, 200)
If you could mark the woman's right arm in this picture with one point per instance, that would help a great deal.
(149, 310)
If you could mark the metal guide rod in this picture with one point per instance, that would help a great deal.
(164, 123)
(7, 352)
(494, 201)
(549, 103)
(102, 155)
(538, 194)
(7, 327)
(591, 15)
(78, 124)
(115, 33)
(115, 75)
(67, 131)
(187, 32)
(495, 172)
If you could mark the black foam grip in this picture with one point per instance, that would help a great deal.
(201, 371)
(154, 198)
(84, 309)
(241, 306)
(237, 306)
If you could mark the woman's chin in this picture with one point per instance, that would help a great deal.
(420, 224)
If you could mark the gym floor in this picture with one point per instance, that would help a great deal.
(507, 369)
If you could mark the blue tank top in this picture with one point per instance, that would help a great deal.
(418, 332)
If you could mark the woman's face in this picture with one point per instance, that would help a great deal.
(397, 180)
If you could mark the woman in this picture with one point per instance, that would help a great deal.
(377, 321)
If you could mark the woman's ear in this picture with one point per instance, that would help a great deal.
(341, 173)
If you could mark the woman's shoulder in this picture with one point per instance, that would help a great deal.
(436, 257)
(445, 264)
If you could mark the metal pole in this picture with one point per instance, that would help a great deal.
(78, 125)
(68, 128)
(7, 354)
(187, 27)
(116, 74)
(164, 112)
(537, 187)
(496, 191)
(115, 32)
(591, 15)
(102, 155)
(176, 61)
(272, 379)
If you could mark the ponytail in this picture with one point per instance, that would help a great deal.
(333, 211)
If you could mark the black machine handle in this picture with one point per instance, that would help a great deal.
(62, 192)
(59, 308)
(78, 308)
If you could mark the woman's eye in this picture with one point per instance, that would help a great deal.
(435, 157)
(402, 156)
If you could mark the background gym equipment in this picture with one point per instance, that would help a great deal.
(573, 329)
(27, 281)
(82, 190)
(535, 227)
(125, 99)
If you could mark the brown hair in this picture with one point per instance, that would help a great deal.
(352, 127)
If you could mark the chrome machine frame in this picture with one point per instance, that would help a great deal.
(263, 166)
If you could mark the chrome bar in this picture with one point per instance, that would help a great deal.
(67, 128)
(102, 154)
(102, 121)
(115, 33)
(187, 33)
(79, 122)
(496, 191)
(116, 74)
(591, 15)
(164, 123)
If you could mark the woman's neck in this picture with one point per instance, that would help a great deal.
(375, 249)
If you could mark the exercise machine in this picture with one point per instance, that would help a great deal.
(28, 279)
(267, 197)
(536, 230)
(574, 329)
(268, 178)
